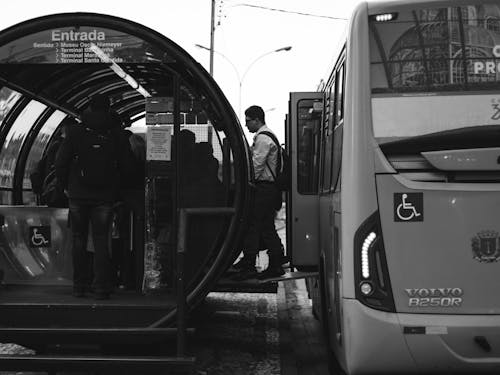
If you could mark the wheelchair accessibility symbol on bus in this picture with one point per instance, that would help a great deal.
(408, 207)
(40, 236)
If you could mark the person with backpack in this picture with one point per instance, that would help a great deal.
(43, 178)
(267, 162)
(88, 167)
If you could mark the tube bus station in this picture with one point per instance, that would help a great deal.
(391, 213)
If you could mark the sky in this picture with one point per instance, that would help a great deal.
(245, 67)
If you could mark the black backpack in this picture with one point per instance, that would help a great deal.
(96, 159)
(52, 193)
(283, 175)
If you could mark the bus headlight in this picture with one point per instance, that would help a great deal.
(366, 288)
(365, 262)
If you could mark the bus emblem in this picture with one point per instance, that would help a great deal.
(496, 115)
(485, 246)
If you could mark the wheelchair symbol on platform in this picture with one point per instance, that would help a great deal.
(40, 236)
(408, 207)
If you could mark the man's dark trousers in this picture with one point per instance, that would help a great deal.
(261, 225)
(99, 215)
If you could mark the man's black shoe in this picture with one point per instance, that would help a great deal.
(245, 274)
(271, 272)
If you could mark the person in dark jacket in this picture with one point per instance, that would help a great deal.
(41, 178)
(88, 167)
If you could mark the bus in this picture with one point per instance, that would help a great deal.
(396, 189)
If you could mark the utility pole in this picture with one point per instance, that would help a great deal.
(212, 32)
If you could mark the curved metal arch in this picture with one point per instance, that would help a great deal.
(78, 88)
(83, 101)
(82, 79)
(83, 94)
(133, 111)
(131, 106)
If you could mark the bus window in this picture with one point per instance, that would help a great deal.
(435, 70)
(339, 97)
(331, 124)
(338, 128)
(308, 143)
(328, 137)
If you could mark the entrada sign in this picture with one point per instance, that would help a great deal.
(61, 36)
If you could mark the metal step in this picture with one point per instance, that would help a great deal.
(139, 364)
(134, 336)
(289, 276)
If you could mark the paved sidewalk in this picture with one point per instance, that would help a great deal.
(260, 334)
(237, 334)
(303, 348)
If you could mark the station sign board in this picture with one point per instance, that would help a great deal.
(79, 45)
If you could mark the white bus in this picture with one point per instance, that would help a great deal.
(396, 189)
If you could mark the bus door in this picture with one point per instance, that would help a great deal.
(303, 142)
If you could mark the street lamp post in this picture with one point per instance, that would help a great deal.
(241, 78)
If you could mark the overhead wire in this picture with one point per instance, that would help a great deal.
(288, 11)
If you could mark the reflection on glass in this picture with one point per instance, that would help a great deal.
(15, 139)
(308, 138)
(40, 144)
(8, 98)
(441, 49)
(5, 197)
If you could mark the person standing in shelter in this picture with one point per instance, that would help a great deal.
(43, 179)
(88, 167)
(265, 154)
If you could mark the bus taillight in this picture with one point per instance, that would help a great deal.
(373, 287)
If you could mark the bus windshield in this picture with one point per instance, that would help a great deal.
(434, 70)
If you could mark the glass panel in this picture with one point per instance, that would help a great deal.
(327, 166)
(15, 139)
(339, 97)
(436, 71)
(202, 180)
(8, 98)
(308, 143)
(39, 145)
(5, 197)
(439, 49)
(29, 198)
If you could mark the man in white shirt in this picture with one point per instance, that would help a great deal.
(265, 153)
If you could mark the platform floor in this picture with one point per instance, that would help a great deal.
(260, 334)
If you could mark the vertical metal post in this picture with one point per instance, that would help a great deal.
(212, 37)
(181, 299)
